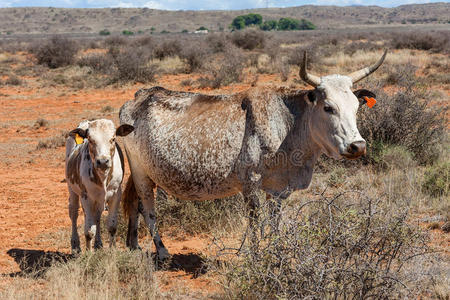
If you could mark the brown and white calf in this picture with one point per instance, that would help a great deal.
(94, 173)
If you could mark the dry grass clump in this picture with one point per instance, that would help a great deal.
(103, 274)
(194, 217)
(53, 142)
(55, 52)
(341, 247)
(437, 180)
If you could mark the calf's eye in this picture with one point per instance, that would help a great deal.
(328, 109)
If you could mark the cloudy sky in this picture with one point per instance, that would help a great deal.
(204, 4)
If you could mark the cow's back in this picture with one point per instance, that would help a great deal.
(187, 143)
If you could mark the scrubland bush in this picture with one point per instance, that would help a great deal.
(131, 64)
(55, 52)
(437, 180)
(13, 80)
(343, 247)
(404, 119)
(249, 39)
(226, 70)
(167, 48)
(98, 62)
(434, 41)
(115, 41)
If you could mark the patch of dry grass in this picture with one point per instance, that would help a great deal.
(103, 274)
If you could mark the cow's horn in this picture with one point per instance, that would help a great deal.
(360, 74)
(305, 76)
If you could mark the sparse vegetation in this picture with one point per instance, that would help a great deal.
(359, 231)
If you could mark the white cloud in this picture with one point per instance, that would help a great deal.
(154, 5)
(125, 5)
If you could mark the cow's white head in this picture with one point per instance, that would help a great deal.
(101, 135)
(334, 106)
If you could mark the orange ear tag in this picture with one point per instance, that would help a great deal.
(78, 139)
(370, 101)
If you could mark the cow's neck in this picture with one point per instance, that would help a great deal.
(291, 169)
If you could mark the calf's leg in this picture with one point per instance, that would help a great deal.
(113, 207)
(74, 205)
(90, 227)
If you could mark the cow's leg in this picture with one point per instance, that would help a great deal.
(113, 207)
(74, 205)
(145, 190)
(274, 211)
(251, 197)
(90, 227)
(133, 224)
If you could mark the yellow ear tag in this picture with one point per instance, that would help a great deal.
(370, 101)
(78, 139)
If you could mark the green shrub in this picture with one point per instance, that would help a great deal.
(104, 32)
(437, 180)
(269, 25)
(240, 22)
(293, 24)
(127, 32)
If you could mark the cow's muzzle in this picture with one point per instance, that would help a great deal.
(103, 163)
(355, 150)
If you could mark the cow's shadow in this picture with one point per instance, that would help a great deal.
(36, 262)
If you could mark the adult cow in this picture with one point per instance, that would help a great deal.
(201, 147)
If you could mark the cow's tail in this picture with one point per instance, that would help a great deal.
(129, 197)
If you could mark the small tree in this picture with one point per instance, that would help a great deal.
(238, 23)
(252, 19)
(104, 32)
(269, 25)
(288, 24)
(202, 28)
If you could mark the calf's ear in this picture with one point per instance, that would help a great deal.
(124, 130)
(364, 93)
(81, 132)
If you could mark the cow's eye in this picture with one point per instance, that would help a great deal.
(328, 109)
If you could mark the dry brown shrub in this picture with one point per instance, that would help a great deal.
(342, 247)
(225, 70)
(249, 39)
(55, 52)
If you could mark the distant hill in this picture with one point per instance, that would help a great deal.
(38, 20)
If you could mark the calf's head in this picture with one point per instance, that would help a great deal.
(333, 111)
(101, 135)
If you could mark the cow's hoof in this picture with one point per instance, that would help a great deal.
(76, 251)
(163, 254)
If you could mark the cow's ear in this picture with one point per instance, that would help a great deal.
(364, 93)
(81, 132)
(124, 130)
